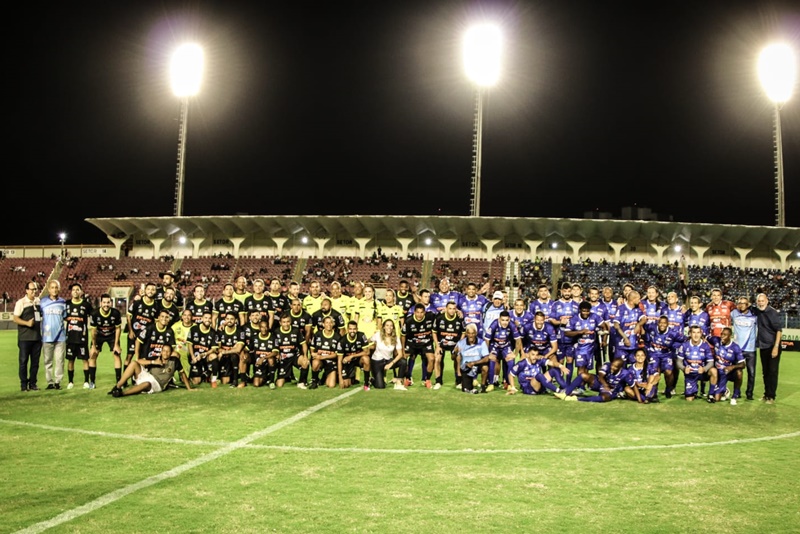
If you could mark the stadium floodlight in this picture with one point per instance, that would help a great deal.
(777, 70)
(186, 73)
(482, 52)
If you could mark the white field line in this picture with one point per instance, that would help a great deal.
(109, 498)
(291, 448)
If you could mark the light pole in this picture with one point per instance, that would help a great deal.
(62, 238)
(777, 71)
(186, 72)
(482, 47)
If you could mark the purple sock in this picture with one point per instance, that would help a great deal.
(570, 369)
(545, 382)
(492, 367)
(411, 367)
(556, 373)
(596, 398)
(424, 373)
(575, 384)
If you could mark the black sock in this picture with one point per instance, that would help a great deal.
(71, 375)
(366, 378)
(118, 373)
(304, 375)
(270, 374)
(315, 376)
(92, 374)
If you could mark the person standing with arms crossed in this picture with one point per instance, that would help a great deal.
(769, 345)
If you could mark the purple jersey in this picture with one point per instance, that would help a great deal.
(599, 309)
(676, 318)
(545, 307)
(660, 343)
(525, 370)
(440, 300)
(616, 381)
(700, 319)
(628, 318)
(591, 323)
(501, 337)
(695, 356)
(521, 321)
(563, 311)
(653, 310)
(612, 309)
(539, 340)
(473, 310)
(726, 356)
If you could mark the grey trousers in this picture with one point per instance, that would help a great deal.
(54, 354)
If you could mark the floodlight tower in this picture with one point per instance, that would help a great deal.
(62, 238)
(777, 71)
(482, 48)
(186, 72)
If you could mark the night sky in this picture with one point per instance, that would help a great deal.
(364, 108)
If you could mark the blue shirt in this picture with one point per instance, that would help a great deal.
(471, 353)
(54, 312)
(539, 340)
(744, 329)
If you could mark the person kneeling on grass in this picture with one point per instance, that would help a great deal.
(643, 378)
(151, 376)
(474, 356)
(611, 382)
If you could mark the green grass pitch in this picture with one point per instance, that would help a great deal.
(391, 461)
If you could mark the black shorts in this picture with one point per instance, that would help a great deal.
(349, 368)
(419, 350)
(198, 369)
(100, 342)
(285, 367)
(77, 351)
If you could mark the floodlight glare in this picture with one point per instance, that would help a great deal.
(777, 70)
(482, 48)
(62, 236)
(186, 70)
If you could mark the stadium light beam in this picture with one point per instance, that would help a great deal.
(186, 73)
(482, 52)
(777, 70)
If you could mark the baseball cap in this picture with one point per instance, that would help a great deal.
(497, 295)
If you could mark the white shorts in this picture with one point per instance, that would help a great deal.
(146, 378)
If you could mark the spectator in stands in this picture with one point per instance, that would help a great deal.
(28, 317)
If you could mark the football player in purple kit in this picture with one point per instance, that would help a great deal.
(695, 359)
(440, 299)
(652, 306)
(611, 306)
(583, 330)
(610, 382)
(697, 316)
(540, 342)
(660, 343)
(599, 309)
(532, 374)
(472, 305)
(643, 378)
(521, 317)
(675, 312)
(628, 325)
(728, 362)
(504, 342)
(542, 303)
(563, 310)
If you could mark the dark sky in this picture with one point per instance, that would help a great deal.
(363, 108)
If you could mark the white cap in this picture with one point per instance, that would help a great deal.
(497, 295)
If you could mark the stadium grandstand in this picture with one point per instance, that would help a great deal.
(511, 254)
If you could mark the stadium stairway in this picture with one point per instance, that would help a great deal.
(299, 268)
(427, 272)
(555, 278)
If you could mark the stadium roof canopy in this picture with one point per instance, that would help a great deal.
(355, 226)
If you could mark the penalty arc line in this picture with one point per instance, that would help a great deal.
(116, 495)
(364, 450)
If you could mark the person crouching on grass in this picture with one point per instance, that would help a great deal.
(151, 376)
